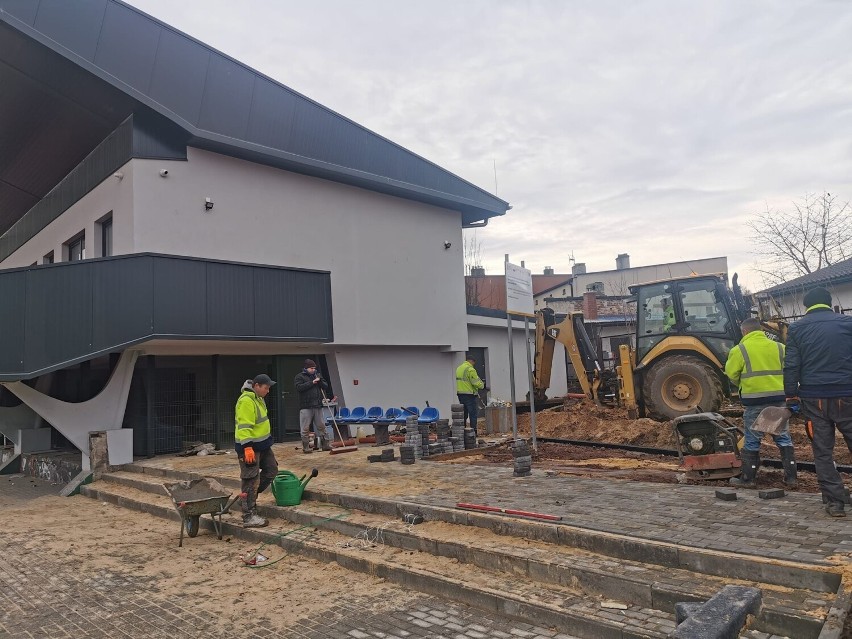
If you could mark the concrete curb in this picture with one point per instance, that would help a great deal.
(836, 618)
(416, 579)
(726, 565)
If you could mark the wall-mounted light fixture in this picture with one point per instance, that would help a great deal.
(208, 204)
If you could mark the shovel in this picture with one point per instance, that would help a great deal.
(772, 420)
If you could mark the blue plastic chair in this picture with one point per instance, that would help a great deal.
(390, 415)
(342, 416)
(408, 412)
(374, 414)
(429, 415)
(358, 413)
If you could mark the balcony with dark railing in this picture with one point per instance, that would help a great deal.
(56, 315)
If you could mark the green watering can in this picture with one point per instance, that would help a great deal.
(288, 489)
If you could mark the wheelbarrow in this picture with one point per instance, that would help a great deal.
(197, 497)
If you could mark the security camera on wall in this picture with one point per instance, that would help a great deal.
(164, 173)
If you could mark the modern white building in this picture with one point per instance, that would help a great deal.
(175, 222)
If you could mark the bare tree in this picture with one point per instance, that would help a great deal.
(474, 286)
(816, 233)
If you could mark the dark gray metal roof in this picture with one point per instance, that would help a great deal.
(835, 274)
(72, 71)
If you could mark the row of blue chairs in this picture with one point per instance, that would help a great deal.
(362, 415)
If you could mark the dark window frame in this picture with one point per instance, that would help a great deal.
(106, 234)
(79, 239)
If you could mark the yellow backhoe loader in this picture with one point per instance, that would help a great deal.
(684, 330)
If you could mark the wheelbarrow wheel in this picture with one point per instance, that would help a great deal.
(192, 525)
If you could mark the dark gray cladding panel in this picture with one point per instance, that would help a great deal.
(75, 25)
(181, 297)
(122, 296)
(59, 314)
(179, 73)
(12, 321)
(227, 98)
(59, 317)
(230, 299)
(124, 30)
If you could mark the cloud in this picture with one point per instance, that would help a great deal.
(653, 128)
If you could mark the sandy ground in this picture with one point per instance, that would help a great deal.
(100, 537)
(585, 421)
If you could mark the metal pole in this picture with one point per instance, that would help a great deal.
(532, 382)
(511, 364)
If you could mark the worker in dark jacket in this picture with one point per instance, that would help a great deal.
(311, 386)
(818, 381)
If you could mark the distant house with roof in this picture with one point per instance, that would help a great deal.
(787, 297)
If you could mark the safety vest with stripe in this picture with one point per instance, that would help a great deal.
(252, 422)
(756, 365)
(467, 379)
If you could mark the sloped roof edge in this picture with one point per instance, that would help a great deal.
(334, 133)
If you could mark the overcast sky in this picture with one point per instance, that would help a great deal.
(653, 128)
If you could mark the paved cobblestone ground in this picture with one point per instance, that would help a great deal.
(45, 594)
(795, 527)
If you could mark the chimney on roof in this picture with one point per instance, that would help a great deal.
(578, 269)
(590, 306)
(477, 271)
(548, 270)
(622, 262)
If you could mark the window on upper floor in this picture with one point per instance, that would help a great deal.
(106, 236)
(47, 259)
(76, 248)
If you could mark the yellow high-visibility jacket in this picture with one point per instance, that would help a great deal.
(756, 365)
(251, 422)
(467, 380)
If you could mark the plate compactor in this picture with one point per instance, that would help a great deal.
(708, 446)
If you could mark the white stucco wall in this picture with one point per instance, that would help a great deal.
(393, 282)
(490, 333)
(394, 376)
(112, 195)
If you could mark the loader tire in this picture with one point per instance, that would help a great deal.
(679, 384)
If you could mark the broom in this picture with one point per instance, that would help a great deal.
(343, 448)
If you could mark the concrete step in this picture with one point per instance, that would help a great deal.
(799, 612)
(728, 565)
(564, 607)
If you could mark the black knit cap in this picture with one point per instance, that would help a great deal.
(817, 295)
(309, 363)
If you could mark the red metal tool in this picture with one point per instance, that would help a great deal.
(507, 511)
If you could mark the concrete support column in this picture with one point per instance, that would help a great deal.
(75, 421)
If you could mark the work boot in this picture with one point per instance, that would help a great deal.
(788, 461)
(748, 472)
(253, 520)
(306, 445)
(835, 509)
(324, 443)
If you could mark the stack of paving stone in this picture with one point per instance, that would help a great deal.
(436, 448)
(413, 437)
(469, 439)
(523, 458)
(457, 443)
(443, 429)
(424, 435)
(406, 454)
(457, 424)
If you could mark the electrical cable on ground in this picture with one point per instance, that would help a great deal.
(283, 534)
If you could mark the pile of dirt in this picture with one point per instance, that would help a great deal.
(585, 421)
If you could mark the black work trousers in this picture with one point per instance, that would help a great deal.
(257, 477)
(825, 415)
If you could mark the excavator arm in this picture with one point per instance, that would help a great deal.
(571, 333)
